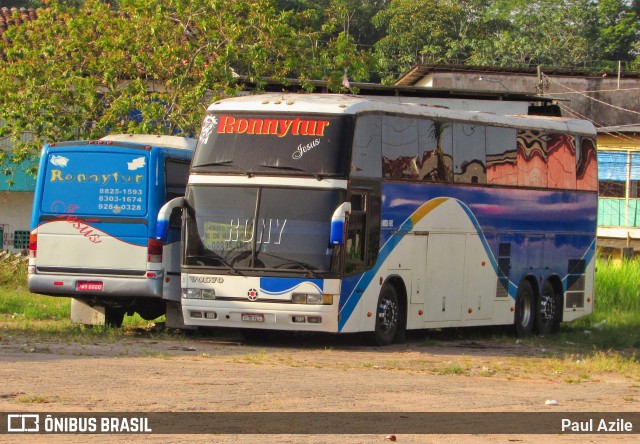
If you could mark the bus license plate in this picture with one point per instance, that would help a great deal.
(252, 317)
(89, 286)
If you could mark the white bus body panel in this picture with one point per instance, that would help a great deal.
(448, 271)
(121, 267)
(60, 244)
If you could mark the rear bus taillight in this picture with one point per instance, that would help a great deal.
(154, 251)
(33, 245)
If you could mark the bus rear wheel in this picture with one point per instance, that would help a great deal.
(388, 317)
(114, 316)
(548, 310)
(524, 315)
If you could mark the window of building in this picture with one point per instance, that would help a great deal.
(21, 239)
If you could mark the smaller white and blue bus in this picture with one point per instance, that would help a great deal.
(94, 219)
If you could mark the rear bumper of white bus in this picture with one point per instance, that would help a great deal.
(71, 285)
(244, 314)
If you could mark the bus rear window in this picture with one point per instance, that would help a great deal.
(96, 183)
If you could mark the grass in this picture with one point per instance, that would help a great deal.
(49, 316)
(613, 326)
(618, 287)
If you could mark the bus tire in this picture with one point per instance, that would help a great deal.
(548, 310)
(256, 335)
(113, 316)
(525, 305)
(388, 317)
(151, 312)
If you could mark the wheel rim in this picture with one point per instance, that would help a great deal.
(547, 307)
(525, 310)
(387, 315)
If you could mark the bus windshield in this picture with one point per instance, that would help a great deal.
(240, 143)
(260, 228)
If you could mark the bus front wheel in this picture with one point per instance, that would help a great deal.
(388, 317)
(525, 314)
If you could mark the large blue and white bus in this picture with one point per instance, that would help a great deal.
(94, 219)
(342, 213)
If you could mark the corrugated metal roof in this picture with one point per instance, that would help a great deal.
(629, 129)
(417, 72)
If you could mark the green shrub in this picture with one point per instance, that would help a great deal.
(13, 270)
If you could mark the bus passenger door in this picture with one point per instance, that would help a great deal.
(444, 277)
(480, 281)
(420, 243)
(418, 290)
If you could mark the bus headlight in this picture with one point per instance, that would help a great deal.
(312, 298)
(198, 293)
(208, 294)
(191, 293)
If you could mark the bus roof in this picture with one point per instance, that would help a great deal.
(418, 106)
(154, 140)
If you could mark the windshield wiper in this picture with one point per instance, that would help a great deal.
(288, 261)
(284, 167)
(225, 163)
(291, 168)
(203, 259)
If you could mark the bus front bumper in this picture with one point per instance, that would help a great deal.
(285, 317)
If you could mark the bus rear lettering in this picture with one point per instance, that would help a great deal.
(56, 176)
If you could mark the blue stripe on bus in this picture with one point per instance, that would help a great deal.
(354, 297)
(278, 286)
(506, 213)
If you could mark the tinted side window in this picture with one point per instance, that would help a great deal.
(400, 152)
(356, 242)
(586, 169)
(469, 143)
(561, 152)
(501, 156)
(436, 148)
(367, 147)
(177, 175)
(416, 149)
(532, 158)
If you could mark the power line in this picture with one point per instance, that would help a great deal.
(617, 135)
(591, 98)
(593, 91)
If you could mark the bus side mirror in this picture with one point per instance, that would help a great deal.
(164, 215)
(337, 224)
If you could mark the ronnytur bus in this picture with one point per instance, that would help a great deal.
(339, 213)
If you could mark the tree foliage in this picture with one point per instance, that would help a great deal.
(152, 66)
(88, 67)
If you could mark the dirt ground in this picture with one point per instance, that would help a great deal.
(223, 373)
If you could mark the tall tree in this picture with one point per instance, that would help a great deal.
(415, 32)
(614, 29)
(564, 33)
(151, 66)
(526, 32)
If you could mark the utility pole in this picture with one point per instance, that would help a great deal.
(539, 87)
